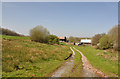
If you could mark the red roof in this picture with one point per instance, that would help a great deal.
(61, 37)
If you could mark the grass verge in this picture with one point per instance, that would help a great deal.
(104, 61)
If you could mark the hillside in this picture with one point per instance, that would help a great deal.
(24, 58)
(5, 31)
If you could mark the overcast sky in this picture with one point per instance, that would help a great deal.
(79, 19)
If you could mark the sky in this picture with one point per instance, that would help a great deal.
(78, 19)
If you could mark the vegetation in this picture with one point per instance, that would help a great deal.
(63, 43)
(6, 37)
(24, 58)
(8, 32)
(103, 60)
(77, 67)
(44, 54)
(39, 34)
(53, 39)
(74, 39)
(105, 42)
(113, 35)
(96, 38)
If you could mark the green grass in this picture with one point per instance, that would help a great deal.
(24, 58)
(62, 43)
(13, 37)
(76, 71)
(101, 60)
(77, 66)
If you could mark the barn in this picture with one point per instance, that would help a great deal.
(85, 41)
(63, 39)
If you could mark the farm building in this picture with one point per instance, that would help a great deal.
(85, 41)
(62, 39)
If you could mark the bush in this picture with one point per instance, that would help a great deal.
(53, 39)
(114, 35)
(96, 38)
(39, 34)
(104, 42)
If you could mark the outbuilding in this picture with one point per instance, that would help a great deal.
(62, 39)
(85, 41)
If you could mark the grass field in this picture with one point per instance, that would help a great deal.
(24, 58)
(105, 61)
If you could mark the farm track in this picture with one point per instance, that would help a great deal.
(87, 66)
(64, 69)
(68, 66)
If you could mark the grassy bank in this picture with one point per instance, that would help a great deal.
(105, 61)
(24, 58)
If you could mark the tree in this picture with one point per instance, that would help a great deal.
(77, 39)
(53, 39)
(71, 39)
(8, 32)
(39, 34)
(104, 42)
(74, 39)
(114, 35)
(96, 38)
(56, 41)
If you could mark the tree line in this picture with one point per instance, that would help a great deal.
(107, 41)
(8, 32)
(76, 39)
(100, 41)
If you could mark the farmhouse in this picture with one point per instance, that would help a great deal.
(85, 41)
(62, 39)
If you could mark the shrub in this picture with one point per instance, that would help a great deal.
(56, 41)
(114, 35)
(39, 34)
(96, 38)
(104, 42)
(53, 39)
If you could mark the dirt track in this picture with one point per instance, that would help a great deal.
(87, 65)
(64, 69)
(87, 70)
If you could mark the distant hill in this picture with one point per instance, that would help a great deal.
(9, 32)
(85, 38)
